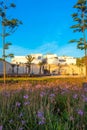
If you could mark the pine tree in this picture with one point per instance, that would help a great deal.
(80, 18)
(9, 26)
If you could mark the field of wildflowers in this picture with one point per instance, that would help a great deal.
(57, 104)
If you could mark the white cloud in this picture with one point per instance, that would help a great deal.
(70, 50)
(47, 47)
(44, 48)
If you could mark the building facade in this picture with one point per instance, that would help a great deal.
(52, 64)
(63, 65)
(51, 59)
(8, 67)
(66, 60)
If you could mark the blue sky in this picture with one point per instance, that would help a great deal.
(45, 29)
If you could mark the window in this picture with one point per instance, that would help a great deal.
(39, 57)
(62, 60)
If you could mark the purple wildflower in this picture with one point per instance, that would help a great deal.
(6, 94)
(83, 96)
(1, 127)
(52, 95)
(41, 118)
(80, 112)
(64, 91)
(85, 89)
(21, 114)
(42, 121)
(20, 128)
(75, 96)
(18, 104)
(85, 99)
(25, 96)
(42, 94)
(26, 103)
(40, 114)
(23, 122)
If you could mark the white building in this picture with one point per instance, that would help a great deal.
(22, 59)
(18, 59)
(20, 66)
(8, 67)
(51, 59)
(37, 58)
(66, 60)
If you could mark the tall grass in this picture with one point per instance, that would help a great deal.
(44, 107)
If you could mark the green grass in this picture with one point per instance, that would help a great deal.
(44, 78)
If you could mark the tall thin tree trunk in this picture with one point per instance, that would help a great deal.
(84, 36)
(3, 55)
(85, 52)
(3, 44)
(29, 69)
(40, 70)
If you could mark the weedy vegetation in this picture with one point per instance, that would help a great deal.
(52, 104)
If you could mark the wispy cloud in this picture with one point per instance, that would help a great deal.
(47, 47)
(70, 50)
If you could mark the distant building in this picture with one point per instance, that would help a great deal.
(43, 64)
(37, 58)
(66, 60)
(51, 59)
(22, 59)
(8, 67)
(20, 66)
(18, 59)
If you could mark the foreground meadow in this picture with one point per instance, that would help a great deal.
(54, 104)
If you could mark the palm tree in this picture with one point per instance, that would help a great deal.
(29, 58)
(13, 65)
(17, 64)
(41, 64)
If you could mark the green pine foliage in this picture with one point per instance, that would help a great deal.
(80, 19)
(9, 26)
(80, 26)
